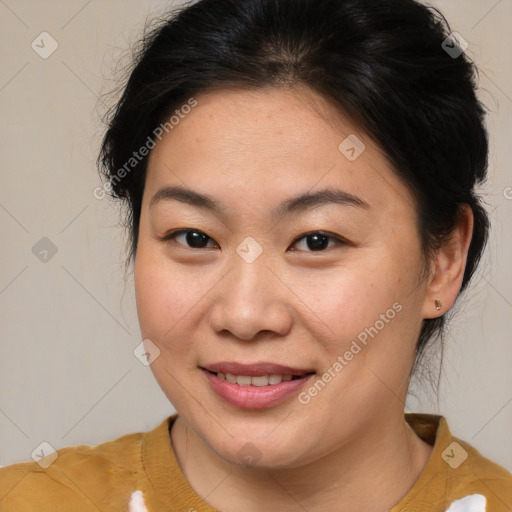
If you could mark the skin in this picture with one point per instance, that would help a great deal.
(295, 306)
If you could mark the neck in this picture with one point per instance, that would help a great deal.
(371, 472)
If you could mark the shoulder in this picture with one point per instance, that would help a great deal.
(456, 472)
(74, 478)
(469, 469)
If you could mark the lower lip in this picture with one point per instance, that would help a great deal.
(255, 397)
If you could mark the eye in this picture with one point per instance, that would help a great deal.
(318, 241)
(194, 238)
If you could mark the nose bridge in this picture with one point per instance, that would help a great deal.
(249, 301)
(250, 272)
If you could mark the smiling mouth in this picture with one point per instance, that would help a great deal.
(258, 380)
(258, 385)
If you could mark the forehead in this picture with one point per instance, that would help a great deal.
(268, 143)
(267, 121)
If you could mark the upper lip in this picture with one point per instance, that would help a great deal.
(253, 370)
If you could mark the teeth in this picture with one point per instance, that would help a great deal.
(259, 381)
(231, 378)
(275, 379)
(243, 380)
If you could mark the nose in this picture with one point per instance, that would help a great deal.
(251, 302)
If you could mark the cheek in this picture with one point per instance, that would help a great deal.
(165, 298)
(369, 308)
(349, 299)
(164, 295)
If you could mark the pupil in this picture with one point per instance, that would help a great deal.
(195, 239)
(319, 242)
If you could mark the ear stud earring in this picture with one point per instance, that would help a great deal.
(438, 304)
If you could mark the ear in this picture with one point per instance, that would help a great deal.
(447, 269)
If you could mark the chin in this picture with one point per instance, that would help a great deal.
(258, 451)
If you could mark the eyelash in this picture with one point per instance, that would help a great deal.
(173, 234)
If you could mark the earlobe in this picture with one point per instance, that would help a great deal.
(448, 267)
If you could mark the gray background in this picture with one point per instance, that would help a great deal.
(68, 325)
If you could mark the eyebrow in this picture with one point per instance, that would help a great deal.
(300, 203)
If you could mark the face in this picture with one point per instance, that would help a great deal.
(302, 263)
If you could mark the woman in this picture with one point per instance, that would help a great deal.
(300, 178)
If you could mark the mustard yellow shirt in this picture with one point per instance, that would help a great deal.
(103, 477)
